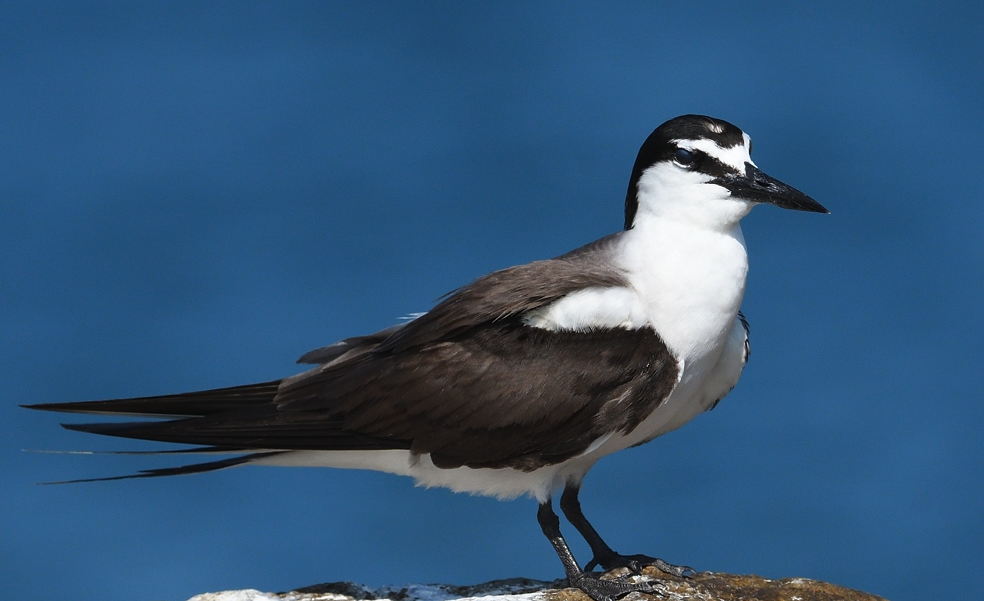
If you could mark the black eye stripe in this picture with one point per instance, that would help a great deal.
(714, 167)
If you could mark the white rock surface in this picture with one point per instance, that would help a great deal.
(517, 589)
(243, 595)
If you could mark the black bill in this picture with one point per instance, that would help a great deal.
(759, 187)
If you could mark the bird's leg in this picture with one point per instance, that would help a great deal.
(599, 590)
(604, 556)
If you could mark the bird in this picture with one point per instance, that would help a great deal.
(520, 381)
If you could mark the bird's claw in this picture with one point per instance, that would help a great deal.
(635, 563)
(675, 570)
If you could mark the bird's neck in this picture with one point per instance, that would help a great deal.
(692, 280)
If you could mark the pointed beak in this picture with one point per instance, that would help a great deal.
(759, 187)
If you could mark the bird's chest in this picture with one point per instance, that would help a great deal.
(691, 283)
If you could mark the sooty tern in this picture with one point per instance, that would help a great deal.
(520, 381)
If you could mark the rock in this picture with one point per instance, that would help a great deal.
(705, 586)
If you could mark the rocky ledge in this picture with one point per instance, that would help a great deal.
(706, 586)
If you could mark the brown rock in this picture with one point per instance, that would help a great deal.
(709, 586)
(705, 586)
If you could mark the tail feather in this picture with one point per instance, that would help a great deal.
(188, 404)
(191, 451)
(240, 419)
(245, 434)
(186, 411)
(194, 468)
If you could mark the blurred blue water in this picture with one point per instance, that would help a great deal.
(192, 195)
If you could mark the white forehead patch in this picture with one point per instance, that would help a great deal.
(736, 156)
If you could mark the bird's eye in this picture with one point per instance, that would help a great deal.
(683, 156)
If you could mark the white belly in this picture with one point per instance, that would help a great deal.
(503, 483)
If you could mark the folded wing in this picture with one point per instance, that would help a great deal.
(468, 383)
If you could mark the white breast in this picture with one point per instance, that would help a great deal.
(691, 280)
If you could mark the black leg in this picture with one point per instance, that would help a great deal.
(599, 590)
(604, 556)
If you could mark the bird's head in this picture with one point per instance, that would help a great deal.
(699, 170)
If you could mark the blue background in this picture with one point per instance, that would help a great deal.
(192, 195)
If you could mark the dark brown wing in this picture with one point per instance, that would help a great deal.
(347, 348)
(509, 292)
(503, 395)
